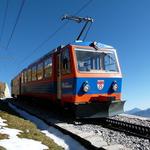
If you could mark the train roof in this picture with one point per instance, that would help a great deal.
(98, 44)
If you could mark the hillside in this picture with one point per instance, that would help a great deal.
(133, 111)
(139, 112)
(143, 113)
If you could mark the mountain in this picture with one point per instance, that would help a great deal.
(132, 111)
(139, 112)
(143, 113)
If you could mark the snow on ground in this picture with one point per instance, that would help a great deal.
(16, 143)
(134, 116)
(59, 138)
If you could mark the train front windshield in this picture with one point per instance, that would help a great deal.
(96, 61)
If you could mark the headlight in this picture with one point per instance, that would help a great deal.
(94, 44)
(114, 86)
(86, 87)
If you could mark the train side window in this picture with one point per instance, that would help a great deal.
(40, 71)
(25, 76)
(66, 62)
(33, 73)
(22, 77)
(29, 75)
(48, 67)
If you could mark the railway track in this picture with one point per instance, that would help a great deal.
(133, 129)
(128, 128)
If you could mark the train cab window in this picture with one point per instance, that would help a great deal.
(66, 62)
(33, 73)
(29, 75)
(96, 61)
(48, 67)
(40, 71)
(110, 62)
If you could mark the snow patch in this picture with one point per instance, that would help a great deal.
(14, 142)
(2, 122)
(59, 138)
(7, 91)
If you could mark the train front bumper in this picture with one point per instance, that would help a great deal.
(99, 109)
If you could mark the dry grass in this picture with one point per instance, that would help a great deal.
(30, 131)
(3, 136)
(2, 148)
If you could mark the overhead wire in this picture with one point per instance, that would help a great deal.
(16, 22)
(4, 20)
(54, 33)
(43, 43)
(83, 7)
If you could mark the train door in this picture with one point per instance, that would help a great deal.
(58, 76)
(63, 69)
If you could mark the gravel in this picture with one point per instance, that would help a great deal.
(115, 137)
(133, 119)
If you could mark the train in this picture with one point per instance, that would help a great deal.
(84, 77)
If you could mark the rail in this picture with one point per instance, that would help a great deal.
(129, 128)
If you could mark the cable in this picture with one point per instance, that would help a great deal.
(62, 26)
(52, 35)
(42, 43)
(4, 20)
(6, 58)
(83, 7)
(16, 22)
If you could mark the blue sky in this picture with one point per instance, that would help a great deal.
(124, 24)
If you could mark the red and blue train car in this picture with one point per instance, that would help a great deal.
(82, 76)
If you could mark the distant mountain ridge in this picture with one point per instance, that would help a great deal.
(139, 112)
(132, 111)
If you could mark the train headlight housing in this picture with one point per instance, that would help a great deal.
(95, 45)
(114, 86)
(86, 86)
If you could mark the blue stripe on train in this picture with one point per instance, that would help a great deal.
(74, 86)
(48, 87)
